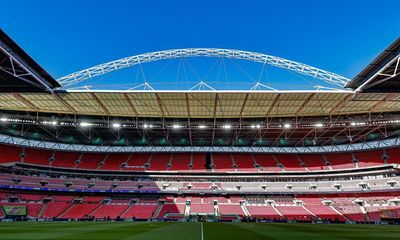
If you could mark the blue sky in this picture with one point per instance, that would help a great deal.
(66, 36)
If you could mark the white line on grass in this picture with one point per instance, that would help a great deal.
(202, 232)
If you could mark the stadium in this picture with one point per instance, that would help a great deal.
(198, 162)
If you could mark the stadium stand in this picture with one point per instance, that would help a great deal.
(140, 211)
(284, 156)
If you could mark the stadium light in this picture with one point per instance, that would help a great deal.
(3, 119)
(176, 126)
(202, 126)
(256, 126)
(116, 125)
(358, 123)
(226, 126)
(50, 123)
(319, 125)
(85, 124)
(287, 125)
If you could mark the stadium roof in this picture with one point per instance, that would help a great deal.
(19, 72)
(382, 74)
(38, 108)
(202, 104)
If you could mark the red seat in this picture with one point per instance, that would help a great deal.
(140, 211)
(36, 156)
(91, 161)
(110, 210)
(65, 159)
(180, 162)
(222, 162)
(9, 154)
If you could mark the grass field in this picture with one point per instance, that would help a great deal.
(193, 231)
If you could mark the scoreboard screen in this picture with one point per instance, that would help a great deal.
(390, 214)
(14, 210)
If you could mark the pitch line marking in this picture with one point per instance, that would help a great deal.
(202, 232)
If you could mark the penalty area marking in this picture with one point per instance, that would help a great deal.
(202, 232)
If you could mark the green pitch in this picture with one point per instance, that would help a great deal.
(194, 231)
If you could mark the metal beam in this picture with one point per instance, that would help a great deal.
(384, 101)
(130, 104)
(160, 104)
(99, 103)
(273, 104)
(363, 135)
(372, 145)
(362, 86)
(304, 137)
(300, 110)
(215, 118)
(338, 106)
(189, 116)
(26, 102)
(67, 105)
(337, 134)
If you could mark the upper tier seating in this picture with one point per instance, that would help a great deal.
(159, 162)
(65, 159)
(114, 161)
(91, 161)
(289, 162)
(244, 162)
(39, 157)
(340, 160)
(198, 161)
(9, 154)
(393, 155)
(266, 162)
(222, 162)
(313, 162)
(370, 158)
(180, 162)
(137, 161)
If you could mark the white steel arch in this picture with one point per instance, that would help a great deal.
(279, 62)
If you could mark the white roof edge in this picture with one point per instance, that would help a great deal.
(209, 91)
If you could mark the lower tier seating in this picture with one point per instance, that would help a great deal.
(365, 208)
